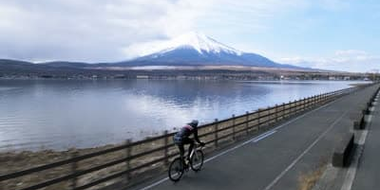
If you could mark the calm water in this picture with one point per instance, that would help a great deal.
(62, 114)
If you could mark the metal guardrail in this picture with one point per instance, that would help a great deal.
(214, 133)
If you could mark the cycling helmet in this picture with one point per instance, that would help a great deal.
(193, 123)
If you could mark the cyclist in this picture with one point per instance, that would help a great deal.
(182, 137)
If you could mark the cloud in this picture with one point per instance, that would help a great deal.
(223, 18)
(89, 30)
(341, 60)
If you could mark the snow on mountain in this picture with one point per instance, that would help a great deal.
(199, 42)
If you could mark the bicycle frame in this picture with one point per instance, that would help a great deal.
(194, 149)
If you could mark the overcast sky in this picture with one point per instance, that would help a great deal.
(326, 34)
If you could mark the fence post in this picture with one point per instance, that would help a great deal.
(323, 98)
(216, 133)
(316, 100)
(292, 107)
(233, 127)
(268, 120)
(276, 113)
(74, 167)
(128, 151)
(166, 162)
(299, 103)
(246, 119)
(309, 101)
(304, 104)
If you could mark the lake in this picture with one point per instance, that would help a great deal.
(59, 114)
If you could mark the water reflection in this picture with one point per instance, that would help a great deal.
(64, 113)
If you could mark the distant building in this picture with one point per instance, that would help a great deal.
(142, 77)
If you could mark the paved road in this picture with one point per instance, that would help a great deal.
(277, 161)
(368, 172)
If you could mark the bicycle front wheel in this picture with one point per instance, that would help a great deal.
(196, 161)
(176, 170)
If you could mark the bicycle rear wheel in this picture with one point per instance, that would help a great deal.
(196, 161)
(176, 170)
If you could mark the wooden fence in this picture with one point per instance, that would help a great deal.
(134, 158)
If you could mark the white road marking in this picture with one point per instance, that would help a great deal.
(350, 176)
(304, 152)
(155, 184)
(246, 142)
(264, 136)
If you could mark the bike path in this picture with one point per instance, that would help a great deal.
(368, 171)
(277, 161)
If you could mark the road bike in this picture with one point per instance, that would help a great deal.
(177, 169)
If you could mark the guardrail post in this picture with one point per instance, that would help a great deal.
(233, 127)
(304, 104)
(317, 99)
(291, 107)
(166, 162)
(258, 120)
(276, 113)
(128, 152)
(311, 101)
(299, 106)
(216, 133)
(74, 167)
(268, 120)
(321, 99)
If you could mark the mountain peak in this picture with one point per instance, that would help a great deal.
(200, 42)
(195, 48)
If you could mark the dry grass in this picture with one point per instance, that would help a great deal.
(308, 180)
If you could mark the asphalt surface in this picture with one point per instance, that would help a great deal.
(368, 172)
(278, 161)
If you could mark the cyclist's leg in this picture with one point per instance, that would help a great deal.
(191, 142)
(181, 152)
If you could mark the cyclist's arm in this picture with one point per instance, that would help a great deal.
(196, 136)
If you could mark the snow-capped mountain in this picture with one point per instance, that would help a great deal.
(199, 42)
(198, 49)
